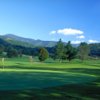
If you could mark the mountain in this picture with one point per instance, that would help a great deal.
(17, 40)
(4, 42)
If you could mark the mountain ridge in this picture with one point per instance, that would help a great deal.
(28, 42)
(32, 42)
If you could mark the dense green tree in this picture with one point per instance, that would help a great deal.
(70, 51)
(1, 49)
(11, 52)
(52, 53)
(83, 51)
(43, 54)
(20, 52)
(94, 49)
(59, 50)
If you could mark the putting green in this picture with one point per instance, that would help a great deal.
(19, 79)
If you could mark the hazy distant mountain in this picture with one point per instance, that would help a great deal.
(17, 40)
(3, 42)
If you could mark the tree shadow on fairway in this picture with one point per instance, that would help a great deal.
(87, 91)
(74, 84)
(85, 70)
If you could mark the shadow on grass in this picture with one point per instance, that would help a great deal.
(85, 70)
(89, 91)
(86, 91)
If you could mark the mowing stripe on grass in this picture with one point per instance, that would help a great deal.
(44, 71)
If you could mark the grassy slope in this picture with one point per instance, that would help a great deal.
(22, 80)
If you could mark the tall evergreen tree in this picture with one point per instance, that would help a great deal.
(53, 53)
(59, 50)
(70, 51)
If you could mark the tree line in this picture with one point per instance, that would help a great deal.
(61, 51)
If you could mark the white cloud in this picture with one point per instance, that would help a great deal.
(76, 42)
(93, 41)
(80, 37)
(67, 31)
(52, 32)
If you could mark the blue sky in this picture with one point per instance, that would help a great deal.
(75, 20)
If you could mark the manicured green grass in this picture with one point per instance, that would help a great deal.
(49, 80)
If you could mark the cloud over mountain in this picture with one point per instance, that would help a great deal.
(93, 41)
(67, 31)
(80, 37)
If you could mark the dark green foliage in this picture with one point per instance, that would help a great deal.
(83, 51)
(11, 52)
(1, 48)
(95, 49)
(20, 52)
(35, 51)
(43, 54)
(63, 52)
(59, 50)
(52, 52)
(70, 52)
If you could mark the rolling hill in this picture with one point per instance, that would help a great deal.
(17, 40)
